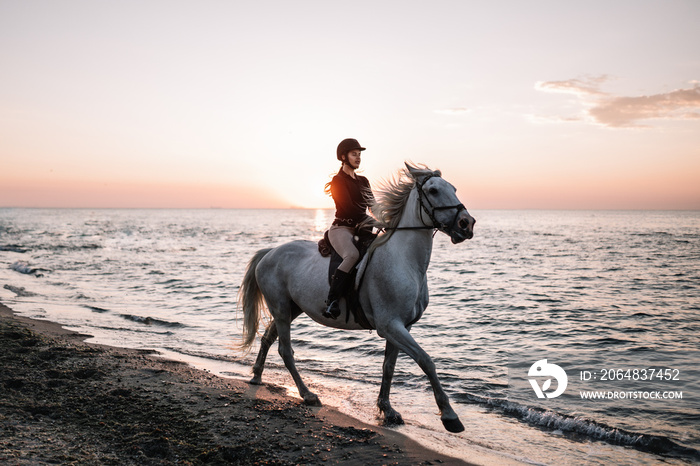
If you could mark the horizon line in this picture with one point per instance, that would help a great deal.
(544, 209)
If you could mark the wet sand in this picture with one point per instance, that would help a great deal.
(63, 401)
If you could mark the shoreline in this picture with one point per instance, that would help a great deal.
(64, 400)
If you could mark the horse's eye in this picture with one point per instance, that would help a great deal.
(433, 191)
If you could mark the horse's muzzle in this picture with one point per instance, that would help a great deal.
(464, 228)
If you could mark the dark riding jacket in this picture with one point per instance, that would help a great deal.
(352, 196)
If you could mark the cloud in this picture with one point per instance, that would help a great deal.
(581, 87)
(681, 104)
(623, 111)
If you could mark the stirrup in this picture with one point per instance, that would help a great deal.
(333, 310)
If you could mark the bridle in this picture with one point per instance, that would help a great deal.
(431, 213)
(431, 209)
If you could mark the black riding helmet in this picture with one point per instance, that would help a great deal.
(346, 145)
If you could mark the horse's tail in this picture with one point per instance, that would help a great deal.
(251, 299)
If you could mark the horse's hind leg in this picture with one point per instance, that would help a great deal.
(285, 350)
(265, 342)
(391, 416)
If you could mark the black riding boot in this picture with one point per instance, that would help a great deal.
(339, 283)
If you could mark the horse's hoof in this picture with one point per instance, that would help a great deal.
(453, 425)
(393, 419)
(310, 399)
(255, 381)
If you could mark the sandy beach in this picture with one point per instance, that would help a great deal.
(63, 401)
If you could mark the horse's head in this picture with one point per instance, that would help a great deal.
(438, 200)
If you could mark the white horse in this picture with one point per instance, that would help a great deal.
(293, 279)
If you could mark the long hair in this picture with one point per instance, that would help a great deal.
(327, 186)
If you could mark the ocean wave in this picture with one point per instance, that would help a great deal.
(652, 234)
(578, 426)
(25, 268)
(97, 309)
(13, 248)
(151, 321)
(363, 351)
(244, 359)
(612, 341)
(68, 247)
(131, 330)
(20, 291)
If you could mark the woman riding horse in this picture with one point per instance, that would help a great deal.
(352, 195)
(288, 281)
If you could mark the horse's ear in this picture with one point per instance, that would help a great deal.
(418, 173)
(412, 170)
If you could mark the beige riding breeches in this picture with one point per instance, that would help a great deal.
(341, 240)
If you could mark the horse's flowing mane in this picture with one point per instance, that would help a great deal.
(392, 196)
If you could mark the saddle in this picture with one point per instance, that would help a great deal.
(352, 296)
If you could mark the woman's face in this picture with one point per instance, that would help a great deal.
(353, 159)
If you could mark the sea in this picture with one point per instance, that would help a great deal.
(598, 311)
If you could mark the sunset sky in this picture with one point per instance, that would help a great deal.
(521, 104)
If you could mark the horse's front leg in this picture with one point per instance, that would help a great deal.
(391, 416)
(399, 336)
